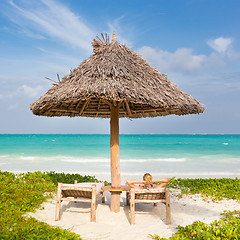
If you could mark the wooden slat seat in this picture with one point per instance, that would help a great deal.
(149, 196)
(76, 193)
(79, 192)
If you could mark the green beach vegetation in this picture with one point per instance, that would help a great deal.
(211, 190)
(227, 228)
(215, 188)
(24, 193)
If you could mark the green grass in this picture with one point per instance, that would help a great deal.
(216, 188)
(228, 228)
(24, 193)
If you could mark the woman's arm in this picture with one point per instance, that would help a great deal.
(132, 183)
(163, 182)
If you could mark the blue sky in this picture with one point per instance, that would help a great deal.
(194, 42)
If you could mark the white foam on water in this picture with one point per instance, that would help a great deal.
(170, 160)
(225, 143)
(70, 159)
(84, 160)
(182, 167)
(27, 158)
(155, 160)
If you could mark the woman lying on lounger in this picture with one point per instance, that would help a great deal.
(148, 183)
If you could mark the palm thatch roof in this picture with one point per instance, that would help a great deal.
(115, 74)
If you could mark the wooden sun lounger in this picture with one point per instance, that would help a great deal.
(149, 196)
(79, 192)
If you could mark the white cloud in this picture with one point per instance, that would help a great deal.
(24, 90)
(53, 19)
(182, 59)
(31, 92)
(220, 44)
(223, 51)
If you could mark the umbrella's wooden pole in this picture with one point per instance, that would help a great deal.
(115, 168)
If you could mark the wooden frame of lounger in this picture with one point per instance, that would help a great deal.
(149, 196)
(76, 193)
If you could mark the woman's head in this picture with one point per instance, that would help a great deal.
(147, 177)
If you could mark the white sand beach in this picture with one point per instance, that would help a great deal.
(149, 219)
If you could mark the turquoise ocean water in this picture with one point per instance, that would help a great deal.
(161, 155)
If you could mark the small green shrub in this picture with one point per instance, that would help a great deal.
(227, 228)
(69, 178)
(24, 193)
(216, 188)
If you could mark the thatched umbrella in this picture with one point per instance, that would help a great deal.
(114, 83)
